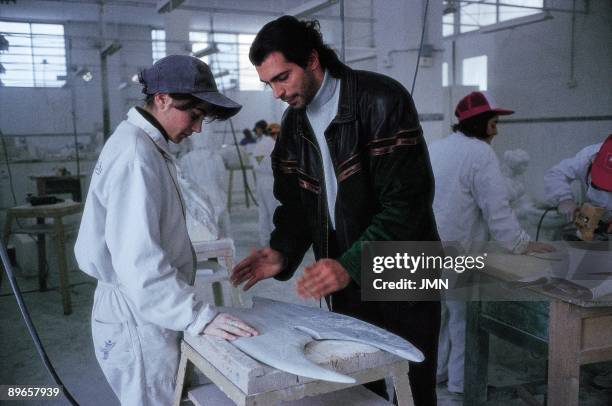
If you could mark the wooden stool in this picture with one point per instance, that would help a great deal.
(57, 229)
(249, 382)
(215, 250)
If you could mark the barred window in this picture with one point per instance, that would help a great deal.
(36, 55)
(249, 79)
(158, 44)
(228, 58)
(475, 72)
(462, 16)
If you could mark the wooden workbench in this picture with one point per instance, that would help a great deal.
(58, 229)
(572, 331)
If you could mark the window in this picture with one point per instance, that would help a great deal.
(509, 12)
(199, 41)
(249, 79)
(471, 15)
(158, 43)
(36, 55)
(475, 72)
(448, 24)
(444, 74)
(224, 61)
(230, 64)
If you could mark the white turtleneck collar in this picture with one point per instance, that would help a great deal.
(324, 94)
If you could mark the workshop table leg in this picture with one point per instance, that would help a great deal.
(403, 393)
(61, 261)
(564, 331)
(185, 370)
(476, 364)
(41, 248)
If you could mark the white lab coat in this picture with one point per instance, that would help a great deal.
(133, 240)
(558, 179)
(265, 188)
(471, 206)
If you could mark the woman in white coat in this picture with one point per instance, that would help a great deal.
(471, 206)
(133, 237)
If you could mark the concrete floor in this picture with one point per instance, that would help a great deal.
(67, 339)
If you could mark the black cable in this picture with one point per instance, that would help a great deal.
(55, 288)
(416, 69)
(541, 220)
(31, 329)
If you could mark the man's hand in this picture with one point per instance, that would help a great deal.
(568, 209)
(535, 246)
(261, 264)
(322, 278)
(229, 327)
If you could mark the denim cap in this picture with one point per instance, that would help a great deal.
(186, 75)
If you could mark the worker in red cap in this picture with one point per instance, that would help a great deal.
(471, 206)
(592, 168)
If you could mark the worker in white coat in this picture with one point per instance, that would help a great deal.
(471, 206)
(133, 237)
(265, 182)
(592, 168)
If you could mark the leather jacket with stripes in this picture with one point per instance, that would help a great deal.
(385, 182)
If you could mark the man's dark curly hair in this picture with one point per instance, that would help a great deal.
(296, 40)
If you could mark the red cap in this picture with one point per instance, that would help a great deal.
(601, 171)
(477, 103)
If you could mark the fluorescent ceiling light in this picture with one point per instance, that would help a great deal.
(310, 7)
(209, 50)
(221, 73)
(84, 73)
(166, 6)
(110, 49)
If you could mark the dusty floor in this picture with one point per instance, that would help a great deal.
(67, 339)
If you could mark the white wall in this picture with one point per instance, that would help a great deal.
(397, 33)
(529, 72)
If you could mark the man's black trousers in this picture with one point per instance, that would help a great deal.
(417, 322)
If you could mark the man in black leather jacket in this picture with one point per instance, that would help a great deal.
(351, 165)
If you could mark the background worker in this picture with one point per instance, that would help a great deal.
(592, 168)
(471, 206)
(261, 126)
(133, 237)
(350, 165)
(247, 138)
